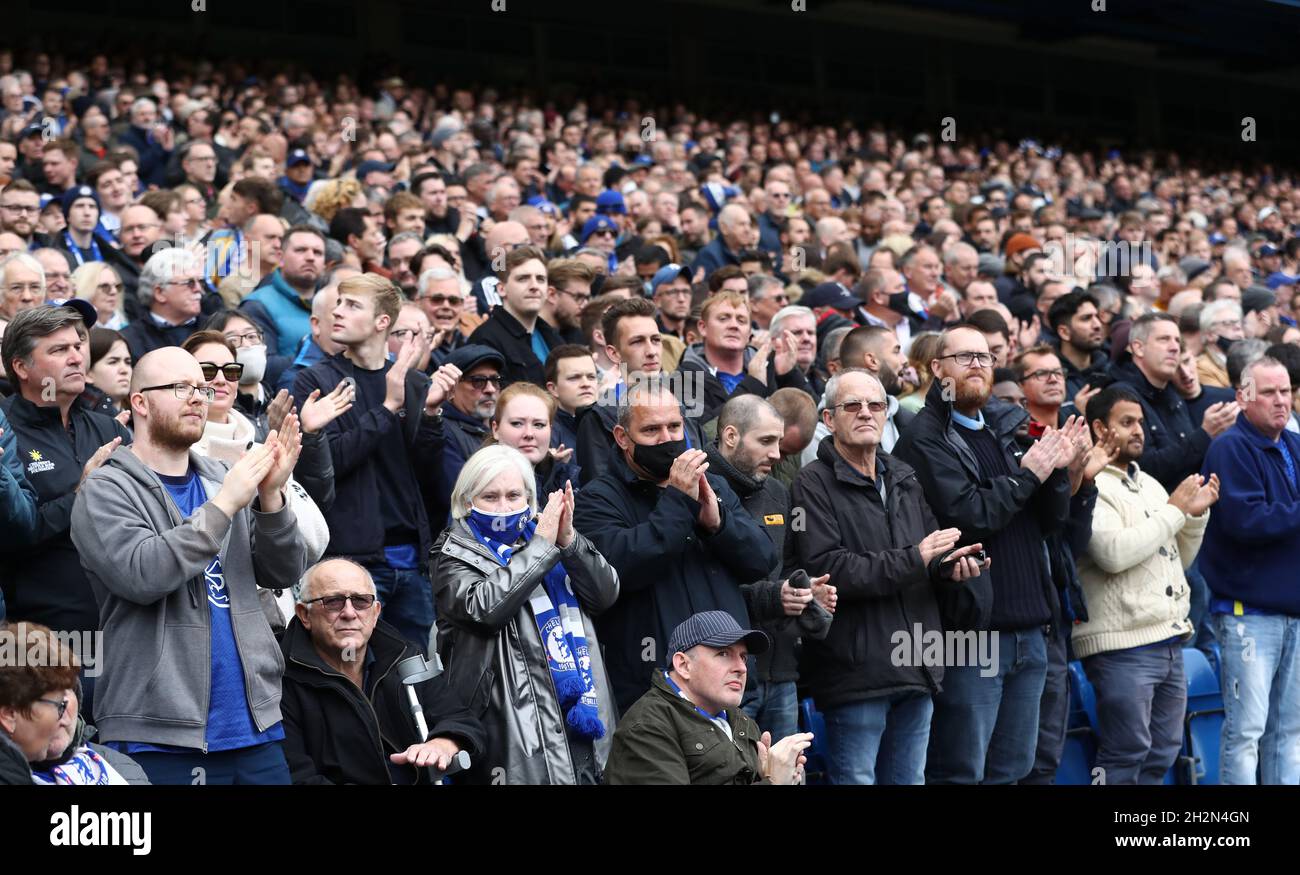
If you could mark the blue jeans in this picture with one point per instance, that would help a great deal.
(985, 729)
(1141, 702)
(1199, 612)
(1053, 710)
(879, 741)
(260, 764)
(407, 599)
(1261, 698)
(774, 707)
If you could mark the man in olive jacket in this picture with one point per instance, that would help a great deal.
(689, 728)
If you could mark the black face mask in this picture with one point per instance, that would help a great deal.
(1224, 343)
(657, 459)
(899, 303)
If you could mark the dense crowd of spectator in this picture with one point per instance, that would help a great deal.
(640, 426)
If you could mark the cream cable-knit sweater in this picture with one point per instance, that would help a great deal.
(1132, 571)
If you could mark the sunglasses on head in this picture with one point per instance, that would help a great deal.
(232, 371)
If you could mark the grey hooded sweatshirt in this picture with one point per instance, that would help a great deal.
(145, 565)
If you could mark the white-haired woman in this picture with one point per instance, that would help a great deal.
(516, 592)
(100, 284)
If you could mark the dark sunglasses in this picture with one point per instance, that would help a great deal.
(333, 604)
(232, 371)
(478, 381)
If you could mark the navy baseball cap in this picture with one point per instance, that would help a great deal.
(1267, 250)
(365, 168)
(597, 223)
(83, 307)
(300, 156)
(608, 202)
(715, 629)
(544, 205)
(472, 355)
(834, 295)
(667, 274)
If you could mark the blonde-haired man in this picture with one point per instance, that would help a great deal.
(385, 449)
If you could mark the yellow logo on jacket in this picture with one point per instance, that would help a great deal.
(774, 519)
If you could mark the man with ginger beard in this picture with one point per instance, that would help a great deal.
(977, 479)
(190, 580)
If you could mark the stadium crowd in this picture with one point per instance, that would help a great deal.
(643, 426)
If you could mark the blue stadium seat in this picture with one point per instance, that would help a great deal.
(1080, 750)
(1199, 761)
(811, 720)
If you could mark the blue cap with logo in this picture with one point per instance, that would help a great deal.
(597, 223)
(76, 193)
(610, 202)
(666, 274)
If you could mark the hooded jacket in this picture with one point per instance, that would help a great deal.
(868, 545)
(337, 733)
(498, 665)
(962, 497)
(146, 567)
(45, 582)
(669, 568)
(768, 503)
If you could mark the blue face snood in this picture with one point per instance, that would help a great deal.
(500, 527)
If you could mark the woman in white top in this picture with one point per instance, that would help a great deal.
(228, 434)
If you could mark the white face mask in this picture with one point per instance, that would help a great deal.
(253, 358)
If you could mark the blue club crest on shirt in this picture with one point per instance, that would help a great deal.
(216, 581)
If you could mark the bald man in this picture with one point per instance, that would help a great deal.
(347, 717)
(175, 546)
(481, 266)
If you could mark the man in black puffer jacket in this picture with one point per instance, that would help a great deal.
(867, 524)
(748, 445)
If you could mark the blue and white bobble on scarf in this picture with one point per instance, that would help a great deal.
(558, 616)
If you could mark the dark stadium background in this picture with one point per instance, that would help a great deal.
(1177, 75)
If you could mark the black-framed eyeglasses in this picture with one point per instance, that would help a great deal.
(191, 283)
(248, 338)
(184, 391)
(232, 371)
(580, 300)
(333, 604)
(61, 704)
(478, 381)
(1046, 374)
(854, 407)
(965, 359)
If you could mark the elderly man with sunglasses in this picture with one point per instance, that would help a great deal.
(347, 718)
(175, 546)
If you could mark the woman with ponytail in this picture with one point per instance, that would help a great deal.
(516, 593)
